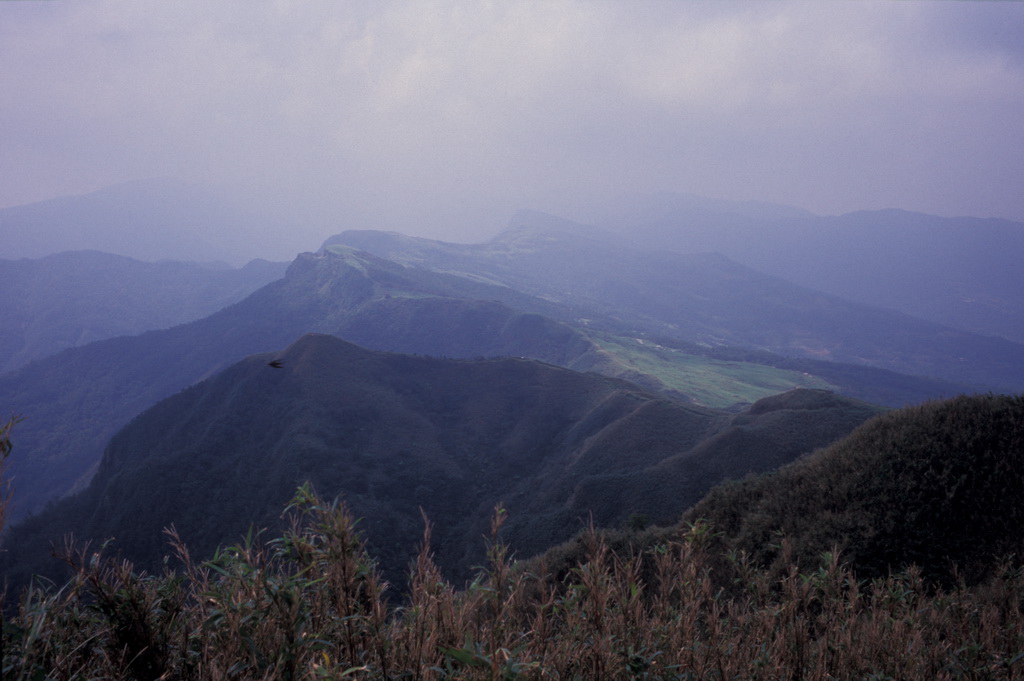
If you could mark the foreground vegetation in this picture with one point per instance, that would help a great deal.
(749, 586)
(311, 605)
(937, 485)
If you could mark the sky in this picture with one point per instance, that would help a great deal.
(441, 119)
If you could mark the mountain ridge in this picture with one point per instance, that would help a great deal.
(392, 433)
(72, 298)
(76, 400)
(151, 220)
(708, 298)
(956, 271)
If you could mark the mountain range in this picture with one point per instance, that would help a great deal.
(74, 298)
(956, 271)
(153, 219)
(704, 298)
(394, 435)
(566, 371)
(76, 400)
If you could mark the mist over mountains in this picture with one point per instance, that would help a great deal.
(565, 370)
(76, 400)
(960, 272)
(706, 298)
(74, 298)
(155, 219)
(413, 342)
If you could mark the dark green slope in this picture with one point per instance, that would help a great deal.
(76, 400)
(708, 299)
(71, 299)
(772, 432)
(447, 327)
(393, 434)
(935, 485)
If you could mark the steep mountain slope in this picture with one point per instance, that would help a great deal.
(394, 433)
(75, 401)
(706, 298)
(937, 485)
(962, 272)
(71, 299)
(771, 432)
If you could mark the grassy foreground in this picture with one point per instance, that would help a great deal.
(311, 605)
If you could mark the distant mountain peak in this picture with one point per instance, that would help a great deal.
(152, 220)
(528, 225)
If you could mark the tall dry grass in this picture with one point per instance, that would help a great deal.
(311, 605)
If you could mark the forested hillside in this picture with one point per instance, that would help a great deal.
(936, 485)
(393, 434)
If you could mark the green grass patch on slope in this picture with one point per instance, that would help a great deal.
(710, 382)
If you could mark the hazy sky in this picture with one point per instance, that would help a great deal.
(441, 118)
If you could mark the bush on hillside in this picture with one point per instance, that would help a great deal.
(937, 485)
